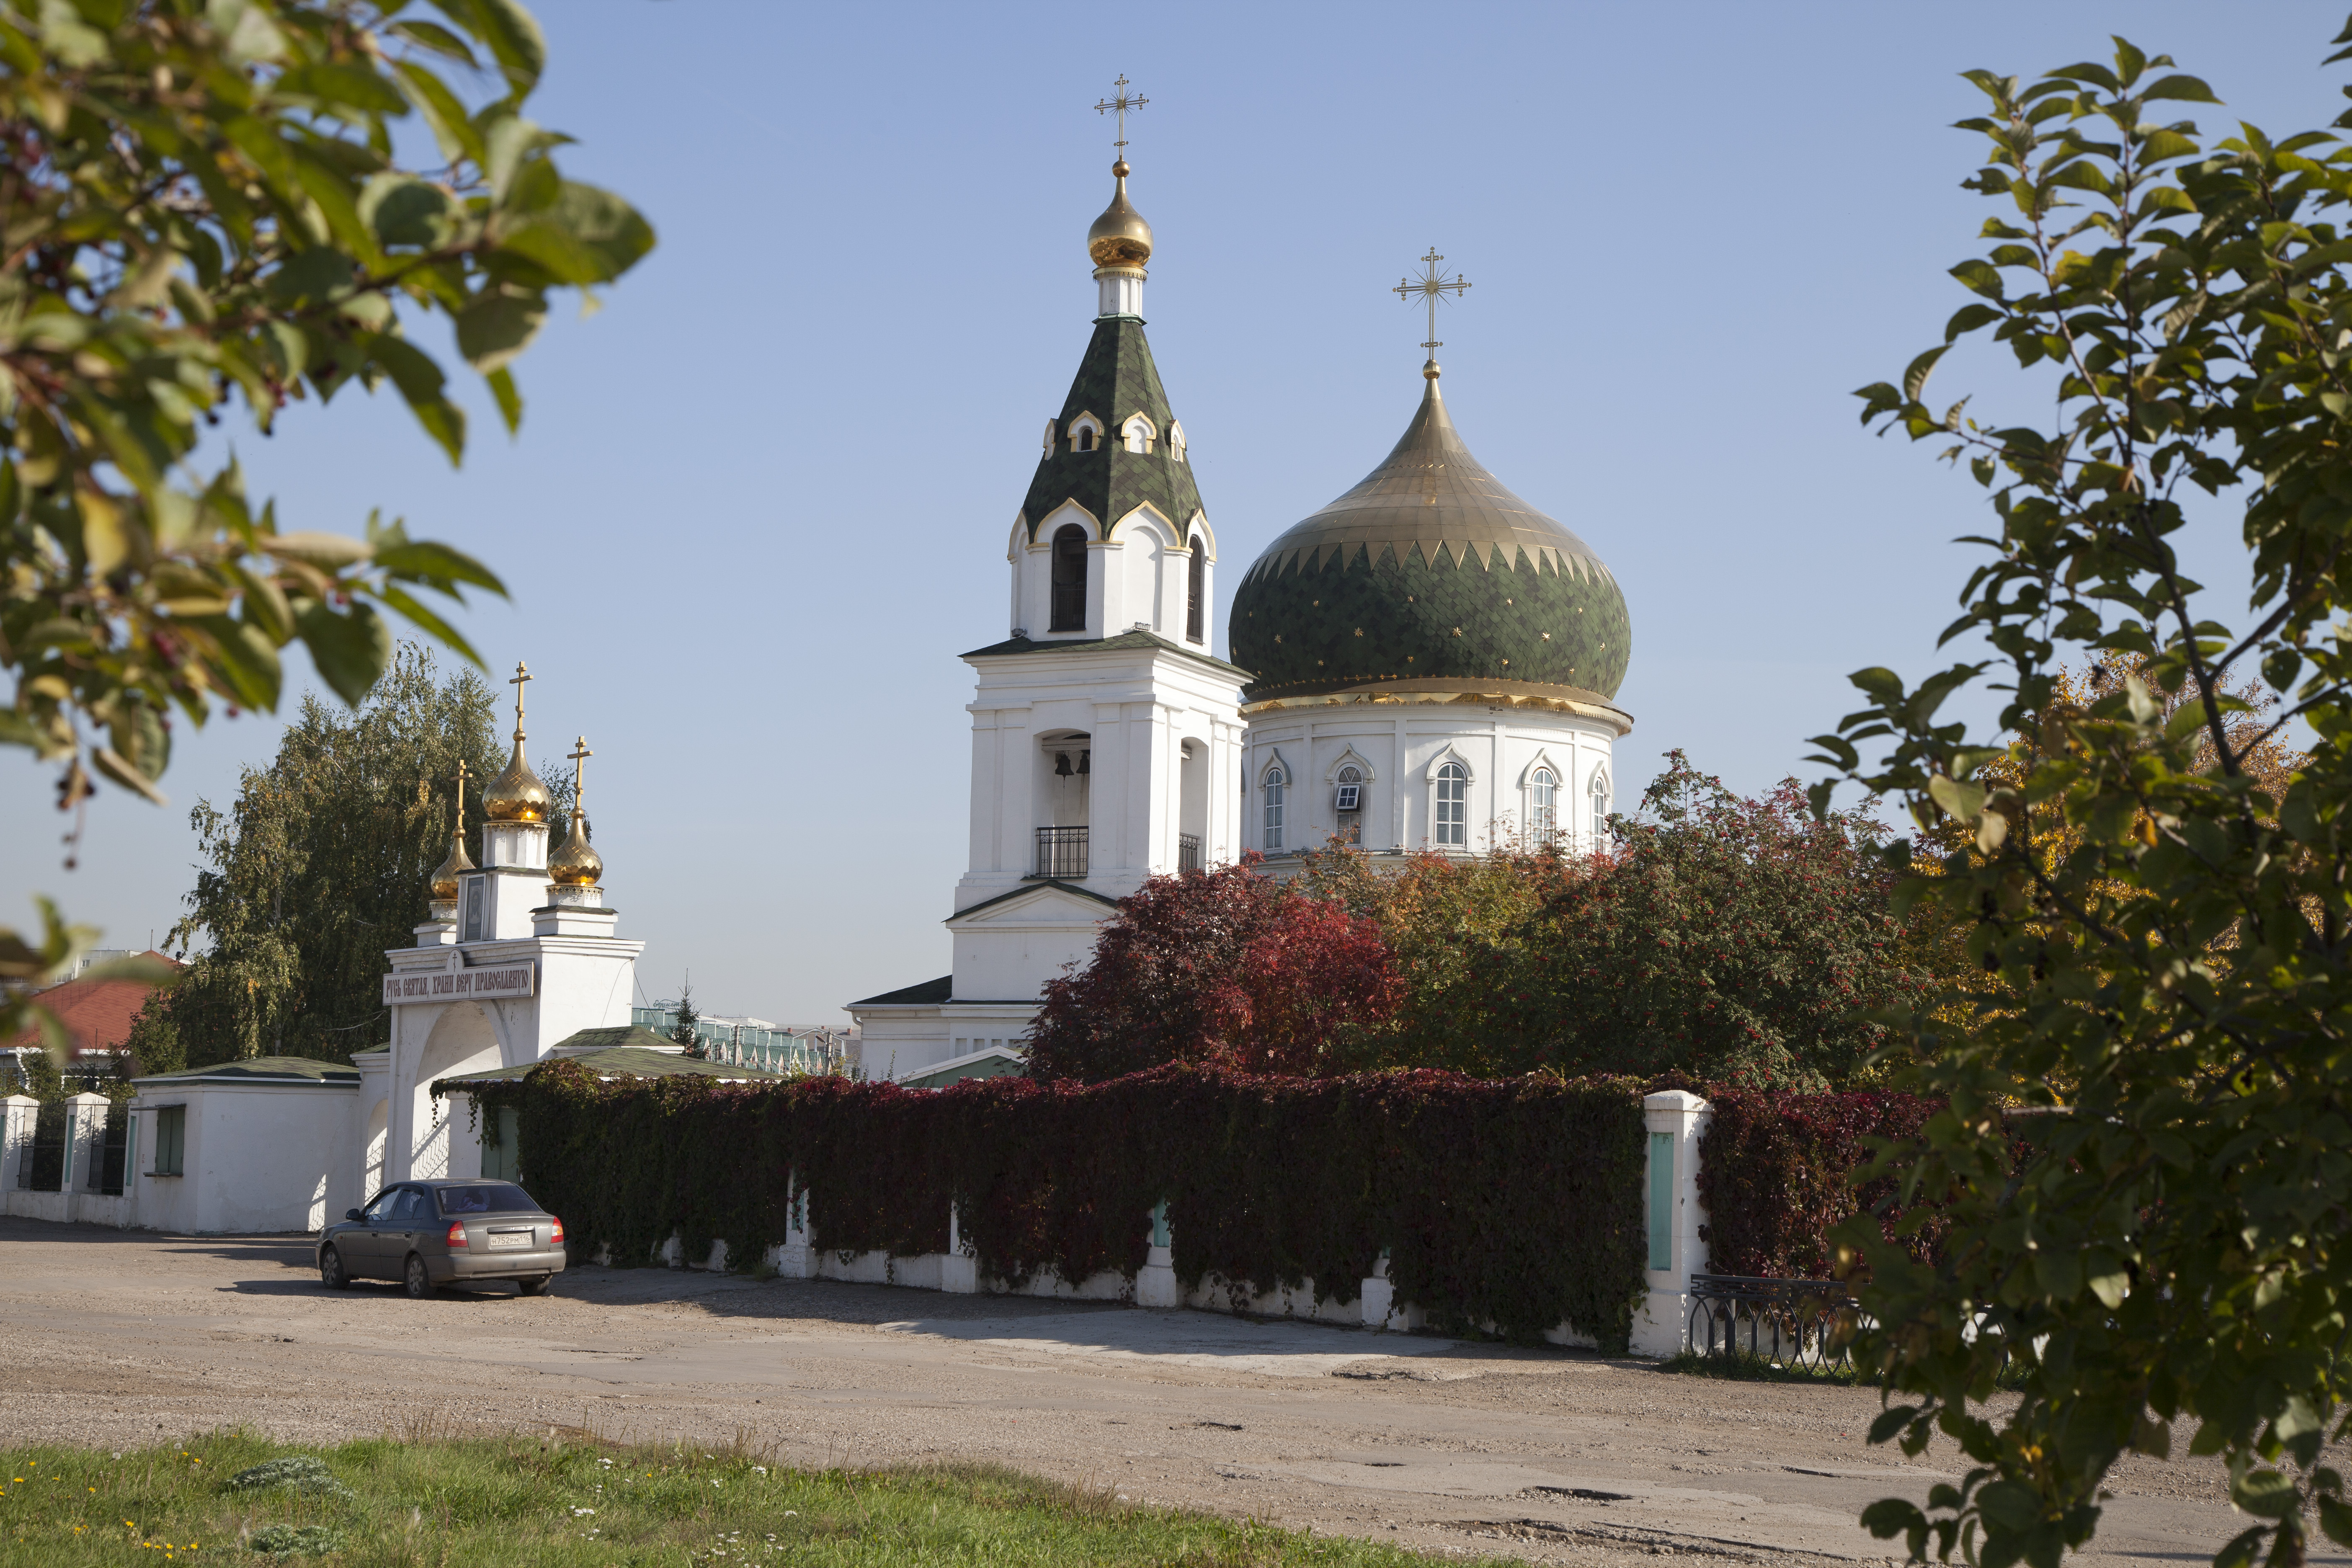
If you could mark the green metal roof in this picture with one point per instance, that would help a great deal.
(1430, 570)
(616, 1061)
(1028, 886)
(263, 1069)
(925, 995)
(1116, 379)
(1123, 642)
(990, 1064)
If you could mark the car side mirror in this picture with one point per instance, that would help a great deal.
(353, 1214)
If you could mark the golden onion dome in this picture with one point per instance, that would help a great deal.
(1119, 237)
(444, 876)
(576, 865)
(516, 795)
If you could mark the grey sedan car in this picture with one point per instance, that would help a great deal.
(428, 1234)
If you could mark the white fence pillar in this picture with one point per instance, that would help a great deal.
(958, 1270)
(85, 1142)
(1155, 1282)
(796, 1259)
(1379, 1294)
(17, 1114)
(1674, 1122)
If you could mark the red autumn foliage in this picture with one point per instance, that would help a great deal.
(1222, 968)
(1735, 939)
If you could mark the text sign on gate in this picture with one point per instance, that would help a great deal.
(460, 984)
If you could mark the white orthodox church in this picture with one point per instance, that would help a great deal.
(1427, 664)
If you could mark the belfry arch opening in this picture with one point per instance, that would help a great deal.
(1196, 578)
(1069, 607)
(1065, 778)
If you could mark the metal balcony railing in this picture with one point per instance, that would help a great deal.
(1062, 853)
(1188, 852)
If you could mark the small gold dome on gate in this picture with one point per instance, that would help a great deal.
(444, 876)
(516, 795)
(576, 865)
(1119, 237)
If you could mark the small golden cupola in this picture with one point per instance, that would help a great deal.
(576, 864)
(444, 876)
(516, 795)
(1119, 237)
(1120, 241)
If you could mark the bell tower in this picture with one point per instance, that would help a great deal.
(1106, 736)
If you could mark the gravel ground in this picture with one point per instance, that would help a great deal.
(124, 1337)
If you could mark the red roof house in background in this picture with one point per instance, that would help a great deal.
(96, 1013)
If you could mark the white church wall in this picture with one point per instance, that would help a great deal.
(579, 987)
(1136, 708)
(460, 1039)
(1398, 746)
(1136, 578)
(898, 1042)
(1006, 951)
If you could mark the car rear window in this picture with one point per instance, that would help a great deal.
(487, 1198)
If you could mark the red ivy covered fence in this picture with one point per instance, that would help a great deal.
(1513, 1203)
(1775, 1174)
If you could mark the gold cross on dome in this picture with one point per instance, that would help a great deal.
(579, 756)
(1432, 286)
(461, 791)
(516, 680)
(1120, 103)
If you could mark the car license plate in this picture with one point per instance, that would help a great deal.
(510, 1241)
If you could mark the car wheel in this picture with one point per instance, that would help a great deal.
(420, 1283)
(532, 1286)
(332, 1273)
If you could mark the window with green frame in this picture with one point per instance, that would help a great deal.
(170, 1141)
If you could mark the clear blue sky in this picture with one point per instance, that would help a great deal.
(760, 501)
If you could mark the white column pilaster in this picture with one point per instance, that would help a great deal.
(1672, 1124)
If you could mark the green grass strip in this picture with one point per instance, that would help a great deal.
(510, 1502)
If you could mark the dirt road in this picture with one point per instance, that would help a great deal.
(123, 1337)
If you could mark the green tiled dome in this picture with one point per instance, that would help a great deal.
(1429, 572)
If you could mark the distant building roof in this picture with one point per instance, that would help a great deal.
(97, 1013)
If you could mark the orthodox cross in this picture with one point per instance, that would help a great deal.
(579, 788)
(461, 791)
(522, 675)
(1120, 104)
(1431, 285)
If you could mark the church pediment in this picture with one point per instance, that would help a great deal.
(1043, 903)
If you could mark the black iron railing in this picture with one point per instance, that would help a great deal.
(41, 1162)
(1790, 1322)
(1061, 852)
(1188, 852)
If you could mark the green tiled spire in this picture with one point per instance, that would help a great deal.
(1116, 380)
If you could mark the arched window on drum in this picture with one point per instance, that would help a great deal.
(1276, 787)
(1453, 822)
(1543, 807)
